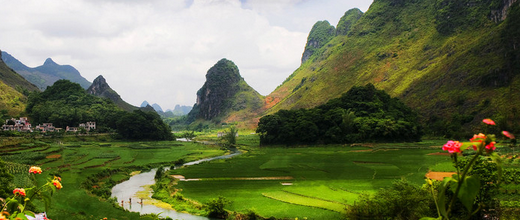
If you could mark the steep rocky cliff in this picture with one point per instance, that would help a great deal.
(225, 96)
(101, 88)
(321, 33)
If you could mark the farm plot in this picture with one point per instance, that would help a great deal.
(77, 161)
(325, 179)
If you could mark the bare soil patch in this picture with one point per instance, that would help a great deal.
(53, 156)
(439, 175)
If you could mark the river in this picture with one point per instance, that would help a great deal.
(137, 195)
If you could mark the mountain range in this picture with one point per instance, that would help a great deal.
(454, 62)
(46, 74)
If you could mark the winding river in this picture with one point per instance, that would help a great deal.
(135, 194)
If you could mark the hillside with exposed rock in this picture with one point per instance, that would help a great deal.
(225, 96)
(101, 88)
(455, 62)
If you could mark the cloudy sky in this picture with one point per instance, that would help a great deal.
(161, 50)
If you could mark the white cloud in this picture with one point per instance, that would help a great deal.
(160, 50)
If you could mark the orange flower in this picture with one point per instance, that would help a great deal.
(507, 134)
(57, 184)
(57, 178)
(478, 138)
(2, 216)
(35, 170)
(488, 121)
(19, 191)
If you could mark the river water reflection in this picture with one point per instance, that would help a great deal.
(135, 194)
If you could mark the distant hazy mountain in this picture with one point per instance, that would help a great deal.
(144, 104)
(157, 107)
(11, 87)
(46, 74)
(182, 110)
(101, 88)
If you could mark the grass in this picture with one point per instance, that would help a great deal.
(82, 157)
(325, 179)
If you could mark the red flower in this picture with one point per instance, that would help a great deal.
(507, 134)
(35, 170)
(19, 191)
(488, 121)
(491, 147)
(57, 184)
(452, 147)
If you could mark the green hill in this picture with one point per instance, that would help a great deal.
(455, 62)
(225, 96)
(12, 85)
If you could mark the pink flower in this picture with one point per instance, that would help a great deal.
(488, 121)
(507, 134)
(452, 147)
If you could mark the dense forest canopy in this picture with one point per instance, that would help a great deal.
(67, 104)
(362, 114)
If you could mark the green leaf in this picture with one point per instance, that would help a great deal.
(441, 198)
(21, 216)
(468, 191)
(430, 218)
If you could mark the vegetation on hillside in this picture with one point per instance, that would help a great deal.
(68, 104)
(225, 96)
(362, 114)
(446, 59)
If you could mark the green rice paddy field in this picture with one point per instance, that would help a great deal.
(75, 160)
(313, 182)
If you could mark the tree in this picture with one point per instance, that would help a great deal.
(230, 137)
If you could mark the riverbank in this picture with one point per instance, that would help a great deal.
(314, 182)
(81, 159)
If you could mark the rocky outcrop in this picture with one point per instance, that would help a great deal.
(223, 93)
(349, 19)
(501, 14)
(101, 88)
(321, 33)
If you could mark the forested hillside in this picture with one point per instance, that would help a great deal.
(455, 62)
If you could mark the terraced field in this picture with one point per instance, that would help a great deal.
(77, 159)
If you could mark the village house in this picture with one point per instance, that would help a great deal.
(46, 127)
(87, 126)
(21, 125)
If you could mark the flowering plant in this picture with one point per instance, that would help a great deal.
(16, 206)
(465, 188)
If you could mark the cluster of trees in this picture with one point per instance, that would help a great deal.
(67, 104)
(361, 114)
